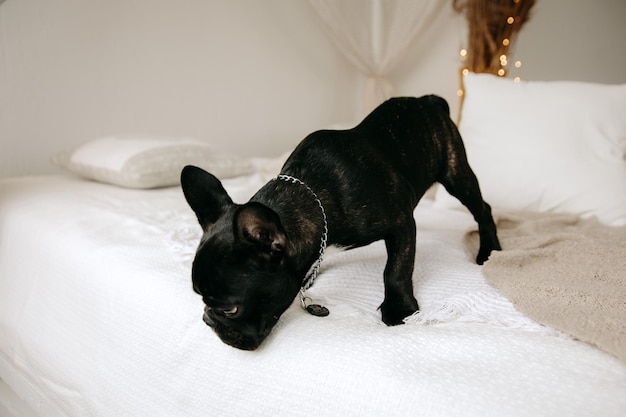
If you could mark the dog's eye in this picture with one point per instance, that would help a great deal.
(231, 312)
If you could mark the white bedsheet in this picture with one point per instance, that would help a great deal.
(97, 318)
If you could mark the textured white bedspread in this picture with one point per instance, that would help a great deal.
(98, 318)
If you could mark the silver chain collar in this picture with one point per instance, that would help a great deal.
(312, 275)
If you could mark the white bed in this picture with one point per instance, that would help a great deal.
(98, 318)
(118, 330)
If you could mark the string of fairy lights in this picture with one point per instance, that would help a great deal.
(504, 62)
(502, 69)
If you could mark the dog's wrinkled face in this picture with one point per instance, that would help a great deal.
(240, 268)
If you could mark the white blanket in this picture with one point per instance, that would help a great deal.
(97, 318)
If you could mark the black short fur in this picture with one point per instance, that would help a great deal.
(253, 257)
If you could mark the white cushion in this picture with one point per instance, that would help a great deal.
(546, 146)
(147, 162)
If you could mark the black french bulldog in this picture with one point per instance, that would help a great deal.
(362, 184)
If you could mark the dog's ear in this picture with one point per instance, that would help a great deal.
(205, 194)
(259, 228)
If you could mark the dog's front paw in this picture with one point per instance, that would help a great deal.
(394, 313)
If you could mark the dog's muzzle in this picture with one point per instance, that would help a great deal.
(206, 318)
(231, 336)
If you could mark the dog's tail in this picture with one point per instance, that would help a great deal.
(439, 101)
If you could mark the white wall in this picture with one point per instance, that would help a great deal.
(575, 40)
(564, 40)
(255, 76)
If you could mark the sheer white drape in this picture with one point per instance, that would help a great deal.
(375, 35)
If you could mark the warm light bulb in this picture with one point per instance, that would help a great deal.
(518, 64)
(510, 20)
(516, 79)
(505, 42)
(465, 71)
(459, 93)
(463, 52)
(501, 72)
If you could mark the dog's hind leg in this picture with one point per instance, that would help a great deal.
(399, 300)
(461, 182)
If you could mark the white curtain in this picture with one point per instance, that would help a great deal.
(376, 34)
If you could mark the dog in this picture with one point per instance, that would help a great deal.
(339, 187)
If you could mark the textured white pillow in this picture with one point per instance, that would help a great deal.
(147, 162)
(546, 146)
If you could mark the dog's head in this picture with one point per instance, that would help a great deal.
(241, 269)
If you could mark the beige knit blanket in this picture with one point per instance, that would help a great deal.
(563, 272)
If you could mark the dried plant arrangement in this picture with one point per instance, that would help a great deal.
(493, 26)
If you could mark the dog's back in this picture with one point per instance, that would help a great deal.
(417, 136)
(406, 141)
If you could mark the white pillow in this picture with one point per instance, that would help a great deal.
(147, 162)
(546, 146)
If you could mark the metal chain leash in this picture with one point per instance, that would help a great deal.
(312, 275)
